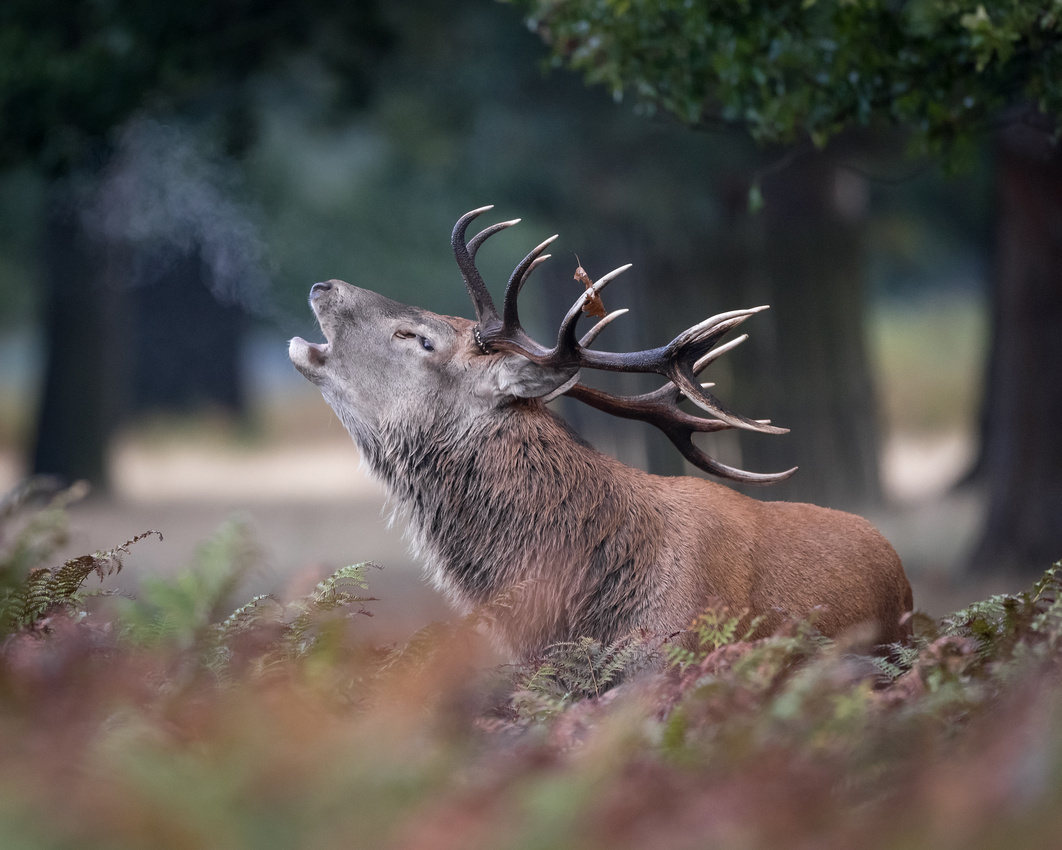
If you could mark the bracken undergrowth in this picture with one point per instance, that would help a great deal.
(180, 718)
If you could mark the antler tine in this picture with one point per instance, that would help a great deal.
(464, 254)
(700, 365)
(585, 342)
(521, 273)
(566, 337)
(483, 235)
(705, 334)
(562, 389)
(709, 464)
(707, 402)
(527, 265)
(659, 408)
(593, 333)
(698, 341)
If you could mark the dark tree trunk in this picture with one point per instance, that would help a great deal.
(806, 366)
(187, 344)
(117, 346)
(1021, 462)
(77, 410)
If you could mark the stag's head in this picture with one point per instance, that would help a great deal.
(387, 365)
(388, 368)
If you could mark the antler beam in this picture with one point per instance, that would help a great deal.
(679, 361)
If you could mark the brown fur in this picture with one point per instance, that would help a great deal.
(502, 497)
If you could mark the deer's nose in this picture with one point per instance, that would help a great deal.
(319, 289)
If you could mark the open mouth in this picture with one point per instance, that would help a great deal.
(308, 356)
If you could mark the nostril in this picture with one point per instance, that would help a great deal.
(319, 289)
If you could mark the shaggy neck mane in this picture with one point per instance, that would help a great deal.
(515, 499)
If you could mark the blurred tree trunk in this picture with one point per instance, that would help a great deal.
(187, 344)
(1021, 461)
(116, 346)
(77, 410)
(806, 366)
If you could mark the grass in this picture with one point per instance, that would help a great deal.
(172, 721)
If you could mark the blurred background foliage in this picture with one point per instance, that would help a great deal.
(176, 178)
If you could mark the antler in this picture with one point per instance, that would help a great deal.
(680, 360)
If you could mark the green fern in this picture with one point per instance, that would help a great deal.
(570, 671)
(26, 605)
(714, 628)
(303, 633)
(1003, 623)
(250, 619)
(1046, 598)
(898, 658)
(246, 618)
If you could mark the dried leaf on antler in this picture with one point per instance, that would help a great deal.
(594, 306)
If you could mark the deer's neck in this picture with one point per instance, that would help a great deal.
(506, 501)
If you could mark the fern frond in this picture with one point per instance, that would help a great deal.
(1004, 622)
(584, 668)
(45, 590)
(329, 595)
(886, 668)
(331, 592)
(712, 629)
(247, 617)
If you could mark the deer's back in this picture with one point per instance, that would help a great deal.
(788, 558)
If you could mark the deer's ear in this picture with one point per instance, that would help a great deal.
(515, 376)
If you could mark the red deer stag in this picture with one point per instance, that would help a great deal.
(501, 495)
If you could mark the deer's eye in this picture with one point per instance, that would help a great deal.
(425, 343)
